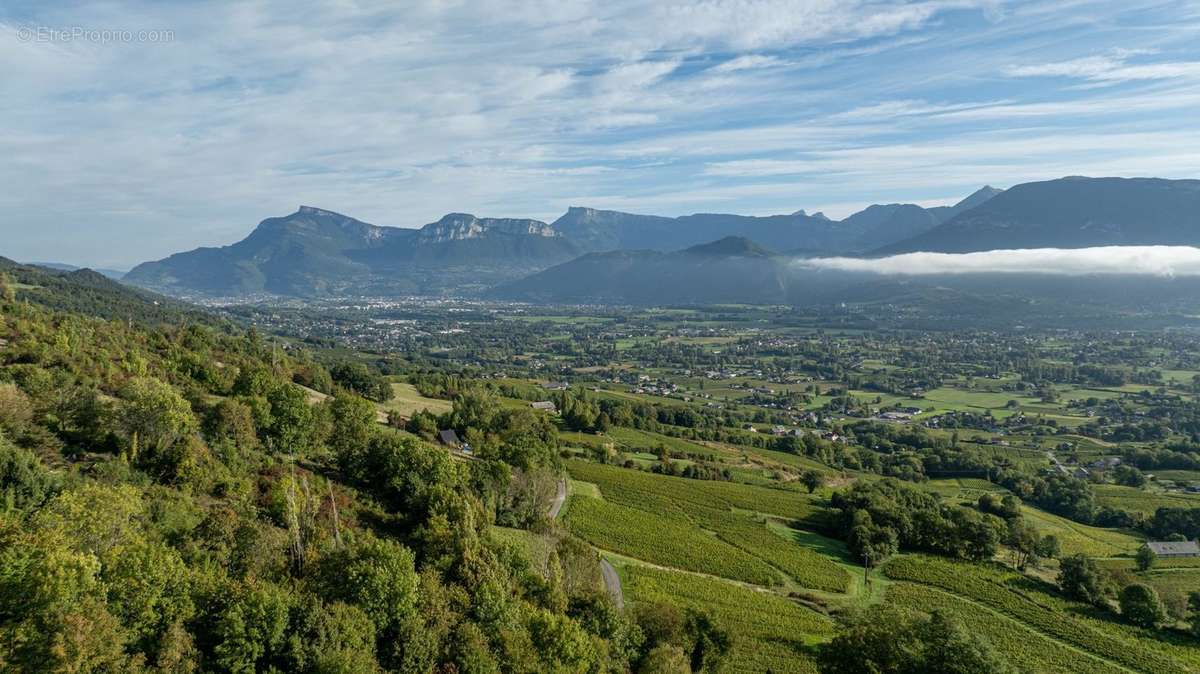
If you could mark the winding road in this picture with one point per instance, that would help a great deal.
(559, 498)
(612, 583)
(612, 580)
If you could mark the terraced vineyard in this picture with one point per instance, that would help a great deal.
(663, 539)
(693, 525)
(1027, 649)
(807, 568)
(770, 633)
(642, 489)
(1137, 500)
(1031, 603)
(1077, 538)
(1177, 581)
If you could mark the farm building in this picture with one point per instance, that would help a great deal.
(449, 438)
(545, 405)
(1174, 548)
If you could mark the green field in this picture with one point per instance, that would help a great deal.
(1077, 538)
(406, 401)
(1141, 501)
(1034, 604)
(699, 526)
(770, 633)
(646, 490)
(663, 539)
(629, 439)
(1025, 648)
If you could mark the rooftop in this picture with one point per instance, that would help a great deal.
(1174, 547)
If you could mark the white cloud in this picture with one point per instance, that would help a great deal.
(748, 62)
(1110, 69)
(499, 107)
(1138, 260)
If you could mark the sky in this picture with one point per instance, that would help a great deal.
(132, 130)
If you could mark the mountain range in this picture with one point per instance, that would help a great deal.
(591, 253)
(732, 269)
(319, 252)
(114, 274)
(1072, 212)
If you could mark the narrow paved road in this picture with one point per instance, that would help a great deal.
(612, 583)
(559, 498)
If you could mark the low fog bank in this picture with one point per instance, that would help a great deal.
(1162, 261)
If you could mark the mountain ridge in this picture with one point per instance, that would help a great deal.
(315, 251)
(1071, 212)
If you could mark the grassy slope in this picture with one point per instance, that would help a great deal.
(770, 633)
(1030, 602)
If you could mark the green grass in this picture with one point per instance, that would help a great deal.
(629, 439)
(1129, 564)
(1178, 475)
(770, 633)
(583, 488)
(536, 546)
(406, 401)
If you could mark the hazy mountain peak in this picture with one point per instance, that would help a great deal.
(1071, 212)
(459, 226)
(730, 246)
(313, 210)
(977, 197)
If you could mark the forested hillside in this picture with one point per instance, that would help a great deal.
(175, 501)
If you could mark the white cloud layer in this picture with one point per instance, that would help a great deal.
(1163, 261)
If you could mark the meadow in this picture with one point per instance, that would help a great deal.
(406, 401)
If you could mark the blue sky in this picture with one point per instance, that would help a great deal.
(129, 149)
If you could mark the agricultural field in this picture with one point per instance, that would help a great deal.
(1141, 500)
(647, 490)
(711, 531)
(406, 401)
(1036, 606)
(770, 633)
(1077, 538)
(752, 413)
(1177, 582)
(1024, 647)
(629, 439)
(663, 539)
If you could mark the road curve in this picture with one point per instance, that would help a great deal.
(612, 583)
(559, 499)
